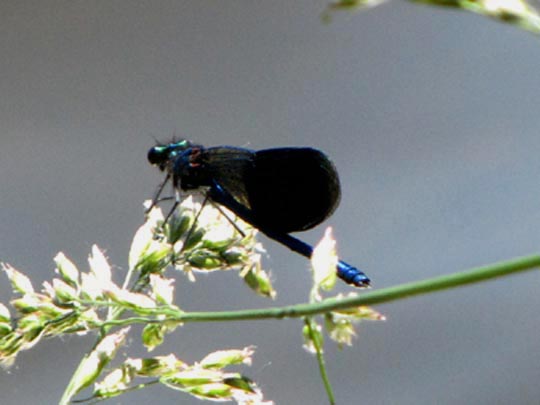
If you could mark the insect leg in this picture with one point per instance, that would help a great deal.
(159, 190)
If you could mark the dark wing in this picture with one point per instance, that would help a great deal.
(230, 167)
(291, 189)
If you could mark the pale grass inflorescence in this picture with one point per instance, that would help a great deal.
(192, 241)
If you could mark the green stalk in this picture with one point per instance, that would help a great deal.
(317, 344)
(384, 295)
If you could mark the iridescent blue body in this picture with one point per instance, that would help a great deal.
(279, 191)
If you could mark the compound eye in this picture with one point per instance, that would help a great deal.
(158, 155)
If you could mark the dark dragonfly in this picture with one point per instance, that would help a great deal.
(278, 191)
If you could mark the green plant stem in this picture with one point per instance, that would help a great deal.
(317, 344)
(381, 296)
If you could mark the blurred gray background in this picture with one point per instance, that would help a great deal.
(431, 116)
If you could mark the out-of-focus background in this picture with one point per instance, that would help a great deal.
(431, 116)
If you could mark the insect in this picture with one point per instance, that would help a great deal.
(278, 191)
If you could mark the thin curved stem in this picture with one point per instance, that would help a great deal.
(381, 296)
